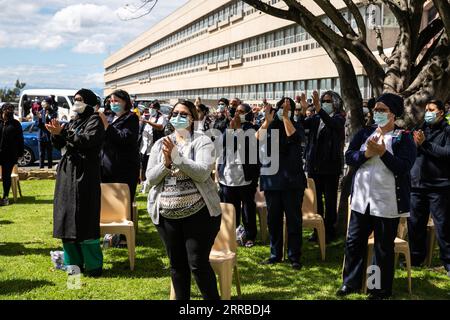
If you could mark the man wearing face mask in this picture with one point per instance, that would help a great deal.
(382, 157)
(11, 147)
(430, 181)
(238, 176)
(221, 120)
(325, 153)
(45, 116)
(76, 207)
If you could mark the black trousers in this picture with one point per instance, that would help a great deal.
(7, 168)
(385, 232)
(424, 201)
(327, 186)
(243, 200)
(45, 147)
(188, 244)
(144, 162)
(289, 203)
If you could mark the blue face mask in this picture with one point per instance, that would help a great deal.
(116, 108)
(430, 117)
(327, 107)
(280, 114)
(380, 118)
(179, 123)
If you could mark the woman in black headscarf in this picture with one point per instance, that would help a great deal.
(76, 211)
(11, 147)
(282, 179)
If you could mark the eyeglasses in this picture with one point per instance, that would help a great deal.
(182, 114)
(327, 101)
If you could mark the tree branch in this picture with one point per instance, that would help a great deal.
(426, 35)
(268, 9)
(380, 46)
(443, 7)
(358, 17)
(337, 18)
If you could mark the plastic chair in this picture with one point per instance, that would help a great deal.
(431, 240)
(311, 219)
(223, 256)
(15, 182)
(115, 215)
(261, 210)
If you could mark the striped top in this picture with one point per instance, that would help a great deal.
(180, 197)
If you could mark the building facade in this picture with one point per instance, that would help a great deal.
(218, 48)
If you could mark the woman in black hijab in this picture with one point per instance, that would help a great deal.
(76, 211)
(282, 179)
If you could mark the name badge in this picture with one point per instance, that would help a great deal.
(171, 181)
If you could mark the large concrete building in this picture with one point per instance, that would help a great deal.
(221, 48)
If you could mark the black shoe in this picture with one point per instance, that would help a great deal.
(345, 290)
(4, 202)
(296, 265)
(270, 261)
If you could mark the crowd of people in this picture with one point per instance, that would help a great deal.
(193, 159)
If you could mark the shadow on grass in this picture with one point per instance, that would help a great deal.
(6, 222)
(17, 286)
(19, 249)
(32, 200)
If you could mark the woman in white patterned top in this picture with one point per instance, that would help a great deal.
(183, 202)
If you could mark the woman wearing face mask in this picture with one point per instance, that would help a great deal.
(284, 188)
(120, 152)
(11, 147)
(183, 202)
(325, 154)
(382, 157)
(430, 181)
(238, 170)
(76, 209)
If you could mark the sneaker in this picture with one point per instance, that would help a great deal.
(240, 235)
(249, 244)
(4, 202)
(296, 265)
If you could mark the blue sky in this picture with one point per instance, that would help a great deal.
(63, 43)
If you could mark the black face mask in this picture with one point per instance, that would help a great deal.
(232, 112)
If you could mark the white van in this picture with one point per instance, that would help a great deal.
(64, 99)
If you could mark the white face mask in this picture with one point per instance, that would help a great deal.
(78, 107)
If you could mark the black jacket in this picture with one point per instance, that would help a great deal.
(76, 206)
(432, 166)
(290, 174)
(251, 168)
(120, 152)
(325, 152)
(11, 141)
(44, 134)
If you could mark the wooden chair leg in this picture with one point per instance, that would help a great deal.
(14, 190)
(408, 267)
(20, 189)
(322, 243)
(262, 214)
(172, 292)
(131, 245)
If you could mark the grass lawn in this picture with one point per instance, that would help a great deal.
(26, 271)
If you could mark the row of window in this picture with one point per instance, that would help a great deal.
(269, 91)
(285, 36)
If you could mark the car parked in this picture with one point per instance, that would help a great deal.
(31, 145)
